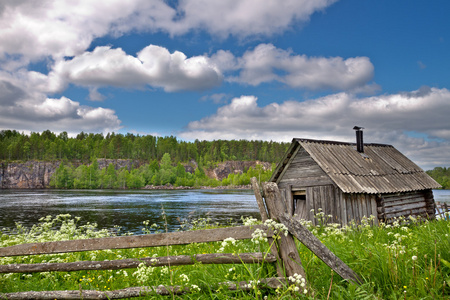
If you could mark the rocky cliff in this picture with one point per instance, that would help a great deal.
(28, 175)
(222, 170)
(37, 174)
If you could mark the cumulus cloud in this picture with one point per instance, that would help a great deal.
(267, 63)
(154, 66)
(246, 17)
(31, 110)
(52, 28)
(388, 119)
(60, 114)
(37, 29)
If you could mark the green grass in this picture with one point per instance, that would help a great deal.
(398, 261)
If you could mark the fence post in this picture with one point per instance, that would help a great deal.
(264, 217)
(288, 250)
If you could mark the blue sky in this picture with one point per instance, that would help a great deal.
(248, 69)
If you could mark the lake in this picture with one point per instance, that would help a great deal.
(129, 209)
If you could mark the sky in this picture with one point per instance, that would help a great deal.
(231, 69)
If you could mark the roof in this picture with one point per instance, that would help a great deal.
(380, 169)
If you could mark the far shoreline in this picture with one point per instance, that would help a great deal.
(221, 187)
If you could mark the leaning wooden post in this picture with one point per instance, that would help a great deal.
(288, 249)
(264, 217)
(319, 249)
(259, 199)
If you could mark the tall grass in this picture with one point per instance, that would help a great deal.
(408, 259)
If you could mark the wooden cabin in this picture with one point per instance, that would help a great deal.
(350, 181)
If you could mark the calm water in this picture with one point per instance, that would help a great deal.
(129, 209)
(441, 195)
(124, 208)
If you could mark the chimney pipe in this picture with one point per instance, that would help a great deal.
(359, 139)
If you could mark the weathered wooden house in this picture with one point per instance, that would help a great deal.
(350, 181)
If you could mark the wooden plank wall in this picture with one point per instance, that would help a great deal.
(343, 208)
(358, 206)
(302, 172)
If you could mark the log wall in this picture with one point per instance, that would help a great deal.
(419, 203)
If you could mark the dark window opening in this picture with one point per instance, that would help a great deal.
(299, 199)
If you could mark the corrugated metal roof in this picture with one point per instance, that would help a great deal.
(380, 169)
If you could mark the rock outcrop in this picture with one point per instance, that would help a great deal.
(222, 170)
(37, 174)
(27, 175)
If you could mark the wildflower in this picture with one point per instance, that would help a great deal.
(298, 280)
(226, 242)
(414, 258)
(184, 277)
(249, 221)
(195, 287)
(259, 236)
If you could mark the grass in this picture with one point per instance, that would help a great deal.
(408, 259)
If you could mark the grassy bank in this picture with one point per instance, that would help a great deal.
(398, 261)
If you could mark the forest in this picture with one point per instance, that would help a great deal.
(155, 173)
(16, 146)
(441, 175)
(161, 158)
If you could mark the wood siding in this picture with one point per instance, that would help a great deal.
(358, 207)
(303, 172)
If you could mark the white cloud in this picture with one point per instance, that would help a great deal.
(387, 119)
(245, 17)
(154, 66)
(37, 29)
(266, 63)
(58, 114)
(25, 109)
(52, 28)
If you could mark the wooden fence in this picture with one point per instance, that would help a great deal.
(284, 254)
(443, 210)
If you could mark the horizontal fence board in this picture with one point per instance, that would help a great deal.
(138, 241)
(180, 260)
(273, 283)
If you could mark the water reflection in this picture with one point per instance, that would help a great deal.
(125, 209)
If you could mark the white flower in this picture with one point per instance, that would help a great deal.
(195, 287)
(184, 277)
(414, 258)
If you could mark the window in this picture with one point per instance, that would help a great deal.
(299, 198)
